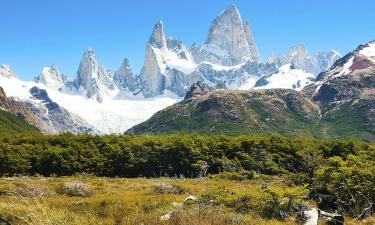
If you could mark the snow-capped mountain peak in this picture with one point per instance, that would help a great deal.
(229, 42)
(93, 78)
(162, 58)
(5, 71)
(51, 77)
(125, 79)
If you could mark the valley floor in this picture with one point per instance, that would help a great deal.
(85, 200)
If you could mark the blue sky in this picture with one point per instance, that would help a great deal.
(44, 32)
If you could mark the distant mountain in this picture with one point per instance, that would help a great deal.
(299, 57)
(229, 58)
(221, 50)
(5, 71)
(100, 100)
(340, 104)
(51, 77)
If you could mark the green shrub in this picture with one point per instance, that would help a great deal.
(74, 189)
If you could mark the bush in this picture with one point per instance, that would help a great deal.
(164, 188)
(241, 204)
(74, 189)
(30, 191)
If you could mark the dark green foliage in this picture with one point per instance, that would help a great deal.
(11, 125)
(169, 155)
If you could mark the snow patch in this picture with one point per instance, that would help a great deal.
(346, 68)
(288, 78)
(368, 51)
(169, 59)
(223, 68)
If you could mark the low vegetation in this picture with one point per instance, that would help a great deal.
(136, 201)
(237, 180)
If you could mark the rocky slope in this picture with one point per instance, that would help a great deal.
(13, 125)
(58, 118)
(346, 94)
(21, 111)
(340, 104)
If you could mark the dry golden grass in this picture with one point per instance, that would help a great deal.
(134, 202)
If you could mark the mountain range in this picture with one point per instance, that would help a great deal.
(99, 100)
(340, 103)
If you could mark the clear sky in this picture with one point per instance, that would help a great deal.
(34, 33)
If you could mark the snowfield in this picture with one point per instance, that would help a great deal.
(288, 78)
(111, 116)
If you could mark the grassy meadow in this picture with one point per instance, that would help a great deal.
(135, 201)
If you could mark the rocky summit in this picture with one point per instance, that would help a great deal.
(238, 48)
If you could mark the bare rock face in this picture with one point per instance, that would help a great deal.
(93, 77)
(157, 38)
(125, 79)
(229, 42)
(6, 72)
(250, 40)
(151, 73)
(51, 77)
(168, 65)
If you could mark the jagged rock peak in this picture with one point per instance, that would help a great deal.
(250, 41)
(157, 38)
(125, 68)
(51, 77)
(125, 62)
(6, 72)
(227, 35)
(93, 77)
